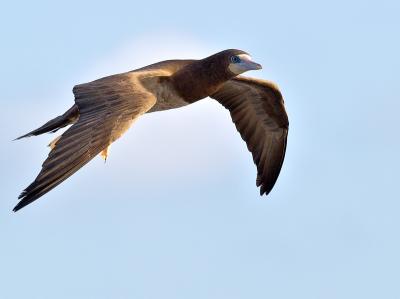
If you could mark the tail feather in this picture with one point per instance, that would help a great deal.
(55, 124)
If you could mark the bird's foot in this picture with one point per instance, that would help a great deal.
(52, 144)
(104, 153)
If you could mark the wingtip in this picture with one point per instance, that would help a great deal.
(23, 136)
(17, 207)
(264, 191)
(22, 203)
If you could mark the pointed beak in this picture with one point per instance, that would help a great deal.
(255, 66)
(251, 65)
(245, 64)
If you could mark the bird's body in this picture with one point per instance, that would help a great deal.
(105, 108)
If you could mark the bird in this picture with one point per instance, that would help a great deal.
(104, 109)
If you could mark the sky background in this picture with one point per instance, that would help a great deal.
(174, 213)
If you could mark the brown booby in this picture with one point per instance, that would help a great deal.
(105, 108)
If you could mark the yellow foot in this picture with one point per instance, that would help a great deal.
(104, 153)
(52, 144)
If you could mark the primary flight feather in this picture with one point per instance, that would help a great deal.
(105, 108)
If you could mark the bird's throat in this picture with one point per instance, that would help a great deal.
(199, 80)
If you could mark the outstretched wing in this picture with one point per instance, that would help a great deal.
(107, 108)
(257, 109)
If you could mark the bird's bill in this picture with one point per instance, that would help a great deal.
(249, 64)
(254, 65)
(245, 64)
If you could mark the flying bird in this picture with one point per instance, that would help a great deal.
(104, 109)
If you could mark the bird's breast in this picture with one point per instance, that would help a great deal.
(168, 102)
(166, 95)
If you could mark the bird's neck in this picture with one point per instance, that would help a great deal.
(200, 79)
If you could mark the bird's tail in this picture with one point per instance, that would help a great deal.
(69, 117)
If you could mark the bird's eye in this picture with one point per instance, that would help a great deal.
(235, 59)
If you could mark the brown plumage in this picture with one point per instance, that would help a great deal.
(256, 108)
(104, 109)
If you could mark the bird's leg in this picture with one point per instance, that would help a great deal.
(53, 143)
(104, 153)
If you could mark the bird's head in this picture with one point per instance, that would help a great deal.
(203, 77)
(240, 62)
(237, 62)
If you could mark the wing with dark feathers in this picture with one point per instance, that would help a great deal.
(107, 108)
(257, 109)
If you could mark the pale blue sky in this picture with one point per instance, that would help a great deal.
(174, 213)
